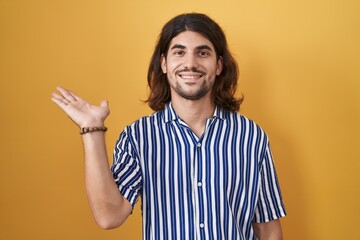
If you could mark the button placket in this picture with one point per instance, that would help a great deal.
(200, 185)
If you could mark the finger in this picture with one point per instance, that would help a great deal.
(66, 94)
(104, 103)
(60, 98)
(76, 97)
(60, 103)
(72, 94)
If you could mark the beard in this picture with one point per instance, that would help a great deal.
(199, 93)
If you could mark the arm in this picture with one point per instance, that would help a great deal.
(109, 207)
(268, 230)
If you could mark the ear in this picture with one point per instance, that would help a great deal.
(163, 63)
(219, 66)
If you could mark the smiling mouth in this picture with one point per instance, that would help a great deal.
(190, 77)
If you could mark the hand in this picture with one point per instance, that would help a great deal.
(80, 111)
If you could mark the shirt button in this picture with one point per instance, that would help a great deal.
(202, 225)
(198, 145)
(199, 184)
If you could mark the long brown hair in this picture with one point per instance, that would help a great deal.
(224, 87)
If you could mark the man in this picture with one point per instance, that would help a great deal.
(202, 170)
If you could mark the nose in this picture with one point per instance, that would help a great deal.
(190, 62)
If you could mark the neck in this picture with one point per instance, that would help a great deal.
(194, 112)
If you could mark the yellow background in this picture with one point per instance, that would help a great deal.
(300, 74)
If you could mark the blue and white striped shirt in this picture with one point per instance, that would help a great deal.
(212, 187)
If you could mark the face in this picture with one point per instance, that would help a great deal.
(191, 66)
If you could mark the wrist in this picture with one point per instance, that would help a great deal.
(85, 130)
(94, 123)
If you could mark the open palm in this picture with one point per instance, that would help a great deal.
(80, 111)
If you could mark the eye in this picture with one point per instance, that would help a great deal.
(179, 53)
(204, 53)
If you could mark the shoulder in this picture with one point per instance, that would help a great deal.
(143, 124)
(154, 118)
(244, 123)
(138, 129)
(239, 118)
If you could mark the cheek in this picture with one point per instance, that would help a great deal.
(173, 64)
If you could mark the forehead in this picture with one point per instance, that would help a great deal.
(190, 39)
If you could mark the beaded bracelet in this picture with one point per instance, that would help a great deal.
(92, 129)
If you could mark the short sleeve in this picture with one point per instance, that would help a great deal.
(126, 169)
(270, 205)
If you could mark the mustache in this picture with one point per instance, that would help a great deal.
(194, 70)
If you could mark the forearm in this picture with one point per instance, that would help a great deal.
(268, 230)
(109, 207)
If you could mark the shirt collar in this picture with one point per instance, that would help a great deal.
(169, 113)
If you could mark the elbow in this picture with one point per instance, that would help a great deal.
(110, 220)
(113, 217)
(108, 224)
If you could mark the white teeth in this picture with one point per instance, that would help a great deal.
(190, 76)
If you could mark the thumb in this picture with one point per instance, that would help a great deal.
(104, 103)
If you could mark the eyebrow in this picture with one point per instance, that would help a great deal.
(206, 47)
(198, 47)
(178, 46)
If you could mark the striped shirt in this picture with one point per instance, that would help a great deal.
(209, 187)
